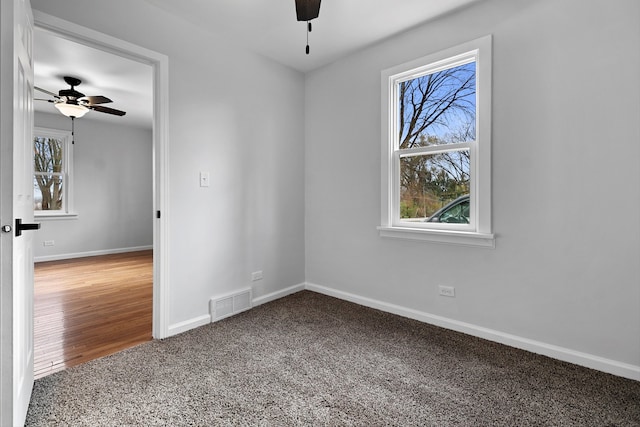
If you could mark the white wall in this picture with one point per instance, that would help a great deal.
(566, 105)
(238, 116)
(112, 190)
(566, 181)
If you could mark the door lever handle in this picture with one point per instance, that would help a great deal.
(20, 227)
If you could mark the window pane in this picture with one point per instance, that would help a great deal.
(47, 192)
(438, 108)
(455, 213)
(430, 182)
(47, 154)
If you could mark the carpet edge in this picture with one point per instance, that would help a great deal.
(587, 360)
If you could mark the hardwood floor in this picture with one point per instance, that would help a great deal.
(86, 308)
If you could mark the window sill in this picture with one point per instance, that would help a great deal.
(54, 216)
(464, 238)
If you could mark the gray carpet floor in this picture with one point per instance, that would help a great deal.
(309, 359)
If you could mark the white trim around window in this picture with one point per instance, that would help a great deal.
(67, 211)
(478, 232)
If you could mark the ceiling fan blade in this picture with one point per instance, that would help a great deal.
(93, 100)
(106, 110)
(42, 99)
(46, 91)
(306, 10)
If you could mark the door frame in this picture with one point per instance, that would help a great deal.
(160, 66)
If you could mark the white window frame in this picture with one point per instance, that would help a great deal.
(479, 231)
(67, 210)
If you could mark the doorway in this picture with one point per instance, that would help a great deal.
(158, 213)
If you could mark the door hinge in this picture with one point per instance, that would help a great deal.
(158, 214)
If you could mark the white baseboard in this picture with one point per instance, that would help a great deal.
(187, 325)
(196, 322)
(576, 357)
(90, 253)
(278, 294)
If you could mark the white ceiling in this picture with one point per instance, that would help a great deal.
(127, 83)
(269, 28)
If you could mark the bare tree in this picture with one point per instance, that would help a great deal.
(434, 103)
(435, 109)
(48, 158)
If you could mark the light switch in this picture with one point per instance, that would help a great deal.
(204, 179)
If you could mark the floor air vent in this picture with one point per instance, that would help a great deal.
(230, 304)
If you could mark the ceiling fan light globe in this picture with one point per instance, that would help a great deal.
(71, 110)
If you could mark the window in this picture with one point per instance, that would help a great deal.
(436, 147)
(52, 173)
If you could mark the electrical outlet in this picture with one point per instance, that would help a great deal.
(256, 275)
(447, 291)
(204, 179)
(48, 243)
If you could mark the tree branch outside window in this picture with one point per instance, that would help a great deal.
(436, 109)
(48, 157)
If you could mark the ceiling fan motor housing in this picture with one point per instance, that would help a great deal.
(71, 93)
(306, 10)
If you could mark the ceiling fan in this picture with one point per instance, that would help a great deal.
(75, 104)
(306, 10)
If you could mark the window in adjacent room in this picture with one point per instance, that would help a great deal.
(436, 145)
(52, 173)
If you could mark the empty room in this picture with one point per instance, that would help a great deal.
(410, 212)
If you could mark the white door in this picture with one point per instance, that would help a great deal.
(16, 203)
